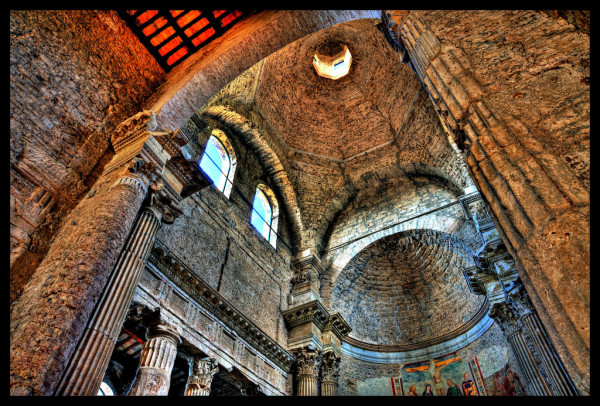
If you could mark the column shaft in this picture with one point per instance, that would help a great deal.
(307, 385)
(153, 376)
(561, 383)
(527, 364)
(49, 318)
(329, 388)
(88, 365)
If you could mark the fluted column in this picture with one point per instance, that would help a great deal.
(505, 318)
(200, 376)
(88, 365)
(308, 362)
(330, 370)
(561, 383)
(153, 376)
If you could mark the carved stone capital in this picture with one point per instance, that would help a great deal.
(164, 206)
(158, 326)
(308, 362)
(519, 301)
(504, 316)
(330, 368)
(201, 373)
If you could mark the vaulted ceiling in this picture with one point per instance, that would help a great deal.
(336, 137)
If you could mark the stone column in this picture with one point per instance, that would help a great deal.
(308, 362)
(88, 365)
(50, 317)
(539, 204)
(329, 374)
(200, 376)
(505, 318)
(153, 376)
(560, 382)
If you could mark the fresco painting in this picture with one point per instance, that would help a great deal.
(444, 376)
(499, 379)
(486, 374)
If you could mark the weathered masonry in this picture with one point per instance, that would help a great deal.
(300, 202)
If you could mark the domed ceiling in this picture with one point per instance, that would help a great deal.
(343, 117)
(406, 292)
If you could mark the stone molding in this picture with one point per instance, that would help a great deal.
(463, 329)
(180, 274)
(338, 325)
(311, 312)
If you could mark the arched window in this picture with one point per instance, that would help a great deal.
(265, 213)
(218, 161)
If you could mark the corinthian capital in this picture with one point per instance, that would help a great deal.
(331, 367)
(308, 361)
(202, 371)
(505, 317)
(519, 300)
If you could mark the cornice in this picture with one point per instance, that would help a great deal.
(179, 273)
(481, 313)
(310, 312)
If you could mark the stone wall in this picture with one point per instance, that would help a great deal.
(74, 76)
(214, 237)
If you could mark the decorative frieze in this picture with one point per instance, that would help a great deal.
(209, 299)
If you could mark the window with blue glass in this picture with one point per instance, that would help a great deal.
(218, 162)
(265, 214)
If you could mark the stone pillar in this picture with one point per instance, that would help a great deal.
(200, 376)
(153, 376)
(329, 374)
(50, 317)
(560, 382)
(88, 365)
(505, 318)
(541, 207)
(308, 362)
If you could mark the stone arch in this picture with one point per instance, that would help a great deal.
(346, 194)
(252, 39)
(271, 163)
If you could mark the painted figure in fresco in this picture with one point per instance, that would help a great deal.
(453, 389)
(468, 386)
(437, 380)
(412, 391)
(514, 378)
(427, 391)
